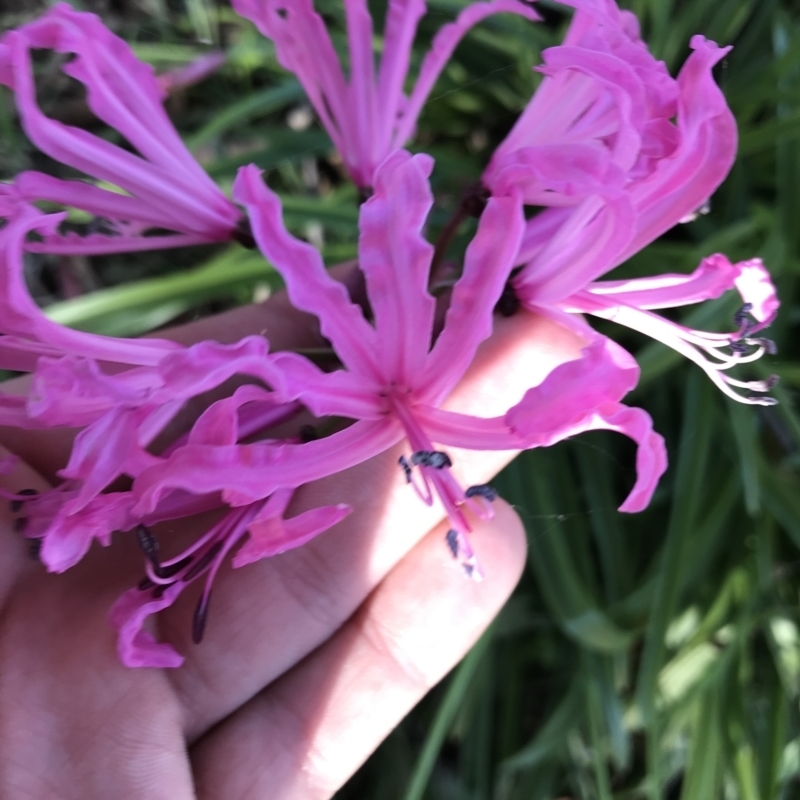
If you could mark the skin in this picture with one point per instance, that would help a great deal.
(310, 658)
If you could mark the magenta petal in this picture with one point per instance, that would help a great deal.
(339, 393)
(19, 315)
(402, 18)
(68, 536)
(362, 102)
(560, 404)
(468, 322)
(271, 534)
(219, 423)
(136, 646)
(251, 472)
(680, 184)
(303, 46)
(651, 454)
(395, 258)
(757, 290)
(711, 279)
(585, 247)
(309, 286)
(468, 432)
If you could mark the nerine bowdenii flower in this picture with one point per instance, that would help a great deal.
(396, 374)
(616, 152)
(366, 112)
(156, 187)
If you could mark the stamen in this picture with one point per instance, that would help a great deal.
(403, 462)
(35, 548)
(436, 459)
(740, 317)
(200, 618)
(149, 544)
(19, 524)
(482, 490)
(164, 574)
(452, 542)
(202, 562)
(145, 584)
(16, 505)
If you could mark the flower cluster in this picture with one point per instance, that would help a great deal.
(610, 152)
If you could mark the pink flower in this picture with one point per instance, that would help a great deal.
(158, 186)
(597, 147)
(395, 375)
(369, 116)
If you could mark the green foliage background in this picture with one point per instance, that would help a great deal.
(647, 656)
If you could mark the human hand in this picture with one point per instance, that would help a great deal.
(310, 658)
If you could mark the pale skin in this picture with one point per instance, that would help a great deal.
(310, 658)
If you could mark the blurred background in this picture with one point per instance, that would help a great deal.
(649, 656)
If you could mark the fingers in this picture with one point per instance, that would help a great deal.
(266, 617)
(302, 737)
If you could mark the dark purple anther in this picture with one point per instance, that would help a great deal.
(199, 619)
(482, 490)
(149, 544)
(452, 542)
(403, 462)
(16, 505)
(35, 548)
(435, 459)
(740, 317)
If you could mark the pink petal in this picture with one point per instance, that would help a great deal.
(756, 288)
(402, 18)
(271, 534)
(651, 454)
(19, 315)
(681, 183)
(247, 473)
(302, 46)
(68, 536)
(585, 246)
(136, 646)
(395, 258)
(219, 423)
(362, 102)
(562, 402)
(468, 322)
(309, 286)
(339, 393)
(470, 433)
(711, 279)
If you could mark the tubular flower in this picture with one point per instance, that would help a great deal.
(368, 116)
(396, 376)
(597, 148)
(157, 187)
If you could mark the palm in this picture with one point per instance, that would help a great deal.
(280, 699)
